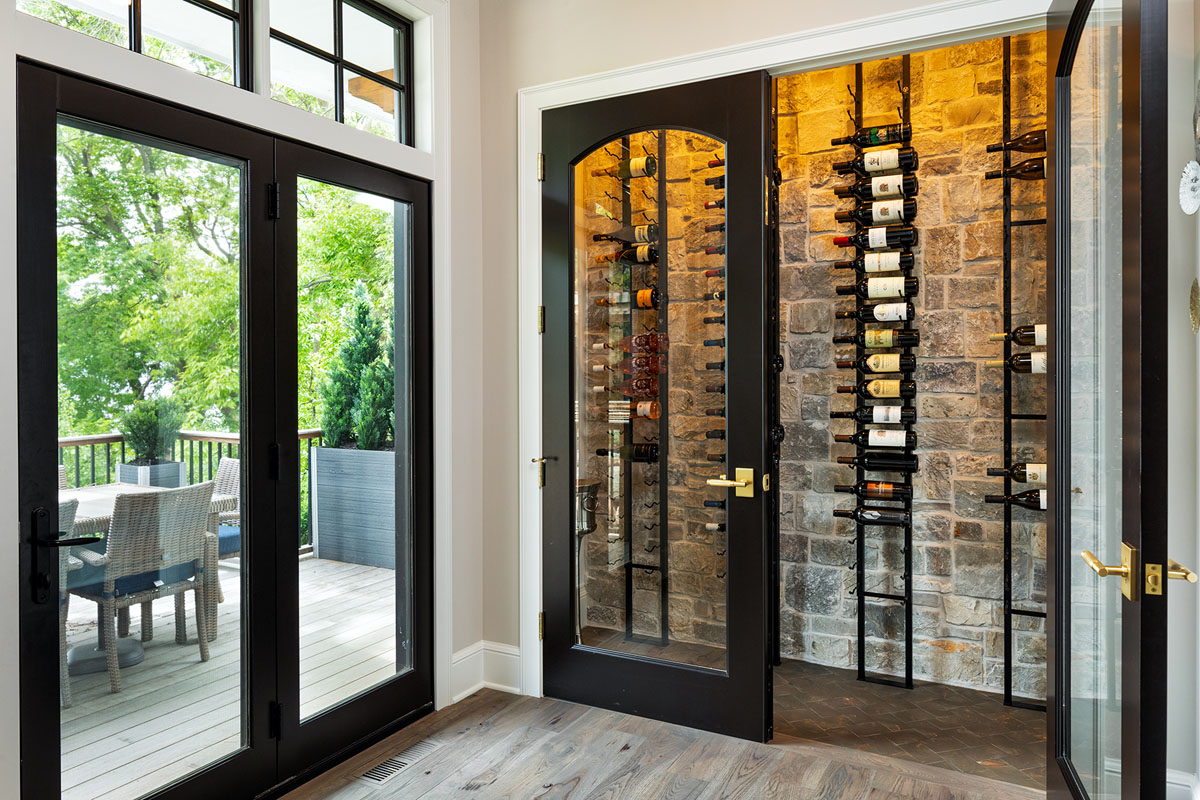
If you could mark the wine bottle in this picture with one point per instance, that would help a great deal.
(716, 227)
(714, 526)
(879, 262)
(877, 288)
(866, 515)
(1033, 169)
(1021, 473)
(879, 438)
(638, 387)
(883, 462)
(1021, 362)
(882, 337)
(714, 273)
(714, 503)
(880, 312)
(717, 320)
(880, 362)
(1027, 335)
(642, 298)
(714, 412)
(650, 409)
(1034, 498)
(715, 388)
(716, 457)
(880, 212)
(880, 187)
(646, 452)
(877, 491)
(888, 237)
(875, 161)
(881, 415)
(716, 433)
(717, 182)
(637, 343)
(718, 296)
(716, 161)
(715, 366)
(643, 363)
(881, 389)
(714, 204)
(714, 342)
(635, 234)
(640, 167)
(877, 135)
(719, 250)
(639, 254)
(1029, 142)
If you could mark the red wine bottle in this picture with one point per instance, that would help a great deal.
(630, 234)
(715, 388)
(889, 237)
(876, 161)
(644, 364)
(718, 296)
(877, 135)
(640, 254)
(869, 490)
(716, 227)
(716, 433)
(714, 273)
(716, 458)
(640, 167)
(1021, 362)
(717, 182)
(880, 187)
(879, 312)
(1034, 498)
(883, 337)
(867, 515)
(880, 212)
(1030, 142)
(880, 415)
(638, 343)
(716, 161)
(1026, 335)
(1021, 472)
(1033, 169)
(879, 288)
(879, 262)
(645, 452)
(881, 389)
(881, 362)
(637, 387)
(883, 462)
(713, 204)
(714, 412)
(879, 438)
(718, 250)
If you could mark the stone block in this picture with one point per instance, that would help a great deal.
(813, 589)
(982, 240)
(793, 548)
(960, 198)
(808, 352)
(945, 406)
(836, 552)
(929, 527)
(973, 292)
(815, 407)
(953, 377)
(810, 317)
(970, 611)
(941, 250)
(932, 482)
(831, 650)
(941, 334)
(970, 111)
(968, 499)
(978, 570)
(979, 325)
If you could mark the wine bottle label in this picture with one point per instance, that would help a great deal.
(645, 298)
(881, 262)
(885, 287)
(877, 238)
(637, 167)
(1037, 362)
(880, 490)
(879, 388)
(880, 338)
(885, 414)
(712, 526)
(645, 408)
(884, 187)
(891, 312)
(641, 233)
(888, 211)
(1042, 495)
(642, 252)
(867, 515)
(886, 438)
(1035, 473)
(884, 362)
(881, 160)
(1039, 335)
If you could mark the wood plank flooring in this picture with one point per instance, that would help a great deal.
(496, 745)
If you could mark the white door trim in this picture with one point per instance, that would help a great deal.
(935, 25)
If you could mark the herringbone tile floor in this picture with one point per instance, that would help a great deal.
(942, 726)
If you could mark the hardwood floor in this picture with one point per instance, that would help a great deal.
(495, 745)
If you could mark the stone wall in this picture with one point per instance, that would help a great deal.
(957, 559)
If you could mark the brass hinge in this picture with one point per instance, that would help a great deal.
(541, 167)
(541, 465)
(541, 625)
(541, 319)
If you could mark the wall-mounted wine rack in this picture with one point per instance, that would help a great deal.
(879, 242)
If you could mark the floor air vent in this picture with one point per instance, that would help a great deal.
(385, 770)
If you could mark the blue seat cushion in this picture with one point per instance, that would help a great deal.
(90, 580)
(229, 540)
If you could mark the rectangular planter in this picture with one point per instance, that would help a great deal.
(168, 475)
(354, 506)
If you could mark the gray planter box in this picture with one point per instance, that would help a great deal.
(354, 506)
(168, 475)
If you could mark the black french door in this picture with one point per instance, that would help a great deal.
(233, 289)
(660, 323)
(1110, 376)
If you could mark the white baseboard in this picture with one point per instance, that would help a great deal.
(1182, 785)
(484, 664)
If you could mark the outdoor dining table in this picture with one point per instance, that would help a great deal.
(96, 504)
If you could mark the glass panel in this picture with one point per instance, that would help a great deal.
(302, 80)
(355, 538)
(368, 42)
(371, 105)
(1094, 377)
(180, 33)
(104, 19)
(149, 388)
(310, 21)
(649, 393)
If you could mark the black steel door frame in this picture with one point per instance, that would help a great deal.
(736, 701)
(275, 756)
(1145, 380)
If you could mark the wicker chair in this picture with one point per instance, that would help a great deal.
(229, 481)
(66, 563)
(153, 532)
(62, 477)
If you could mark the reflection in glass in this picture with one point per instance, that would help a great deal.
(1094, 375)
(371, 105)
(180, 33)
(368, 42)
(310, 21)
(302, 80)
(355, 615)
(149, 410)
(649, 394)
(107, 20)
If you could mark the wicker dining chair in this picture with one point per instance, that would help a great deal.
(62, 477)
(228, 481)
(153, 532)
(66, 563)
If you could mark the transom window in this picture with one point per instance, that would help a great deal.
(208, 37)
(346, 60)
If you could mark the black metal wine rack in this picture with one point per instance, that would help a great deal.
(862, 593)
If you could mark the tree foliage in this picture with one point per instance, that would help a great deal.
(151, 428)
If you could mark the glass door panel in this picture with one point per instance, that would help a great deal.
(355, 530)
(149, 375)
(649, 337)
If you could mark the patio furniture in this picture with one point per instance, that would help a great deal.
(66, 563)
(62, 477)
(152, 532)
(228, 482)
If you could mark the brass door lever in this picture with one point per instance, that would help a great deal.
(1125, 570)
(1178, 572)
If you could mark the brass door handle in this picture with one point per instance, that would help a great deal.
(1101, 569)
(1126, 570)
(742, 483)
(725, 482)
(1178, 572)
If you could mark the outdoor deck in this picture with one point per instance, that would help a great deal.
(177, 714)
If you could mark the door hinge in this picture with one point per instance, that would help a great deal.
(273, 202)
(274, 720)
(541, 167)
(541, 625)
(541, 319)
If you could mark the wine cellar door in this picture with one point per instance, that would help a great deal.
(661, 319)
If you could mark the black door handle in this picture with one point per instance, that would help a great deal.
(69, 542)
(40, 575)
